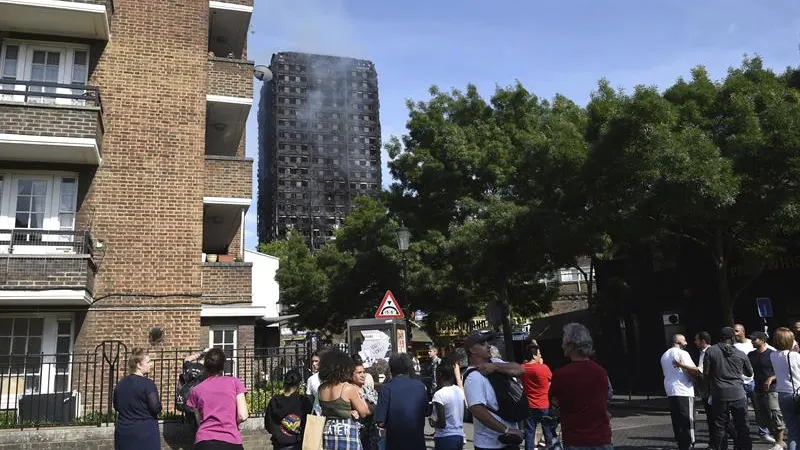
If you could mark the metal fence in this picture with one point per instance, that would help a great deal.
(38, 390)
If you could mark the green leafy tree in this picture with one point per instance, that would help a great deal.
(715, 164)
(303, 284)
(479, 181)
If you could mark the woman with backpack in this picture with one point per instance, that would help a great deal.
(219, 405)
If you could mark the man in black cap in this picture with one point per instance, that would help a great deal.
(765, 398)
(723, 367)
(490, 430)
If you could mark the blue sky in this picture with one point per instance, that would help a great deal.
(555, 46)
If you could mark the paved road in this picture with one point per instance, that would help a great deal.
(643, 429)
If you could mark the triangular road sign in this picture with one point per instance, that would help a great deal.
(389, 308)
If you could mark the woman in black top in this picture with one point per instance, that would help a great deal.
(138, 405)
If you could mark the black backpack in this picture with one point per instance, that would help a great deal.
(184, 389)
(511, 399)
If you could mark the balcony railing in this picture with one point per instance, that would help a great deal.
(46, 93)
(46, 259)
(39, 390)
(23, 241)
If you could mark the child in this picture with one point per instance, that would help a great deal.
(448, 411)
(285, 415)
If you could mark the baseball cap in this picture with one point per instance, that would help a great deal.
(476, 337)
(727, 333)
(758, 335)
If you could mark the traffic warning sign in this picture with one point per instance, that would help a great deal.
(389, 308)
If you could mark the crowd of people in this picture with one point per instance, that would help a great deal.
(505, 401)
(738, 369)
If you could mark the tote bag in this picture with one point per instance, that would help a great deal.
(312, 436)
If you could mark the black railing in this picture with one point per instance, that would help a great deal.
(39, 390)
(42, 92)
(23, 241)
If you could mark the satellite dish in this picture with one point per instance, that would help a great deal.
(262, 73)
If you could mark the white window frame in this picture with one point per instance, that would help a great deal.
(212, 344)
(52, 210)
(47, 369)
(26, 49)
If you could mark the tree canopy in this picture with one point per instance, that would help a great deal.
(500, 192)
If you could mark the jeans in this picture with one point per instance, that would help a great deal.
(790, 419)
(722, 412)
(530, 428)
(448, 443)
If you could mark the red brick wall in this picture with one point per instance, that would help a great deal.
(61, 272)
(230, 77)
(132, 326)
(39, 120)
(228, 177)
(225, 283)
(235, 248)
(146, 199)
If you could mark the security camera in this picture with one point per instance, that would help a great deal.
(262, 73)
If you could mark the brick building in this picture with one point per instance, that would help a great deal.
(319, 143)
(123, 178)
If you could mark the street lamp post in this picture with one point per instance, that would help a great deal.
(403, 238)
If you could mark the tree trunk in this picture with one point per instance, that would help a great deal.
(589, 278)
(726, 301)
(508, 337)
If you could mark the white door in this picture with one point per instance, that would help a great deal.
(46, 65)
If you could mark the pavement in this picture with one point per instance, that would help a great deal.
(638, 424)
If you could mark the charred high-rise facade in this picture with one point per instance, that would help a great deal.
(319, 144)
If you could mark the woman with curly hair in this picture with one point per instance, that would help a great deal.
(340, 401)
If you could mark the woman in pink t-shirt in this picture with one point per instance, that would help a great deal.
(219, 405)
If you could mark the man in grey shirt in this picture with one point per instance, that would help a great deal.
(723, 367)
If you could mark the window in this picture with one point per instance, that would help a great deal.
(225, 339)
(45, 62)
(35, 352)
(38, 201)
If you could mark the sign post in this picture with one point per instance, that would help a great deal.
(764, 306)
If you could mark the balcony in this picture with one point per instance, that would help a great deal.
(50, 122)
(228, 177)
(230, 77)
(46, 267)
(227, 283)
(228, 22)
(229, 99)
(88, 19)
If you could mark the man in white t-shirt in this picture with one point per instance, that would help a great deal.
(680, 390)
(313, 383)
(489, 428)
